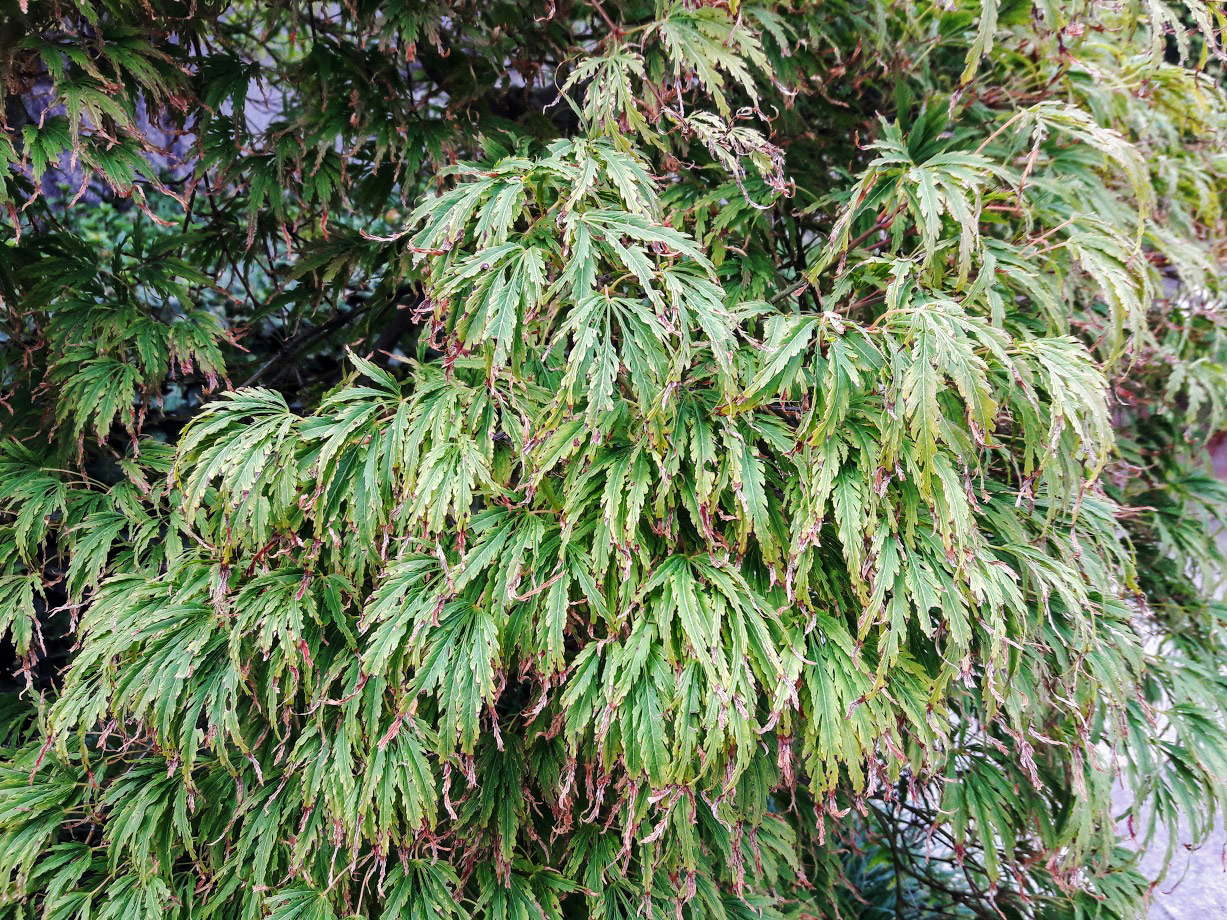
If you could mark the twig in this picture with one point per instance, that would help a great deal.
(883, 223)
(304, 339)
(790, 291)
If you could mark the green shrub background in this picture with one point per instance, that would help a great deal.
(608, 459)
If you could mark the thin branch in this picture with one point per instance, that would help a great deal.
(303, 340)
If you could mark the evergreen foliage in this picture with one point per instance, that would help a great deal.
(613, 458)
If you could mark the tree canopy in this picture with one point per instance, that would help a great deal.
(608, 458)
